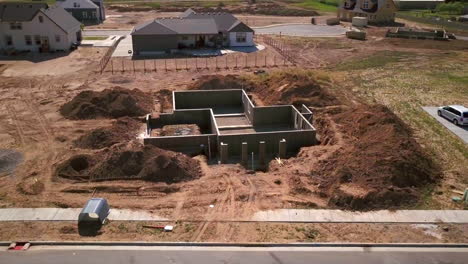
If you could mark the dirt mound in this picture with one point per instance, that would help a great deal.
(134, 162)
(214, 82)
(276, 88)
(123, 129)
(110, 103)
(382, 164)
(147, 163)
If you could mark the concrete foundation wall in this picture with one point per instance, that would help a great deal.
(248, 106)
(295, 140)
(273, 115)
(184, 144)
(202, 99)
(200, 117)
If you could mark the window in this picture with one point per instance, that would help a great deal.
(76, 5)
(16, 26)
(37, 40)
(41, 19)
(8, 40)
(465, 114)
(28, 40)
(93, 14)
(85, 14)
(365, 5)
(241, 37)
(57, 38)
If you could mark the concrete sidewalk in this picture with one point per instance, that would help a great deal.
(280, 215)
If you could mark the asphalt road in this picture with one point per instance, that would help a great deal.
(208, 255)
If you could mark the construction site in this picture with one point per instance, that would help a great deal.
(335, 127)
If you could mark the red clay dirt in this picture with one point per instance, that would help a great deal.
(131, 162)
(123, 129)
(115, 102)
(368, 157)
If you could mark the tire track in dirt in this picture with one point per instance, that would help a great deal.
(219, 208)
(19, 130)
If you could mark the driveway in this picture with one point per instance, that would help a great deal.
(302, 30)
(123, 47)
(105, 32)
(461, 132)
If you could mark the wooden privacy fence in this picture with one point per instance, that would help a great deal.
(250, 60)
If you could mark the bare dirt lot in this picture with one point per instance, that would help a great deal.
(354, 80)
(128, 19)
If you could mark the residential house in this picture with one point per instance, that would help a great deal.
(376, 11)
(37, 27)
(191, 30)
(85, 11)
(417, 4)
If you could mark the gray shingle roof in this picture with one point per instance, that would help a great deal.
(172, 26)
(223, 20)
(61, 17)
(80, 4)
(18, 12)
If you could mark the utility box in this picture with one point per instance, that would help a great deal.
(333, 21)
(359, 21)
(92, 217)
(359, 35)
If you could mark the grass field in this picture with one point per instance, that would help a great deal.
(319, 5)
(406, 81)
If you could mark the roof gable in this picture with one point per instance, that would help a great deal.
(190, 26)
(240, 27)
(61, 18)
(152, 28)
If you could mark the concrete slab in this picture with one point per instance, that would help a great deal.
(461, 132)
(124, 46)
(302, 30)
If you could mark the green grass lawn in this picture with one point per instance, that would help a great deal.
(95, 37)
(319, 5)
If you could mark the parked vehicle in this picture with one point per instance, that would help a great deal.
(457, 114)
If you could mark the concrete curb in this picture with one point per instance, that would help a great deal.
(222, 244)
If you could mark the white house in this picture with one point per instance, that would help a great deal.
(37, 27)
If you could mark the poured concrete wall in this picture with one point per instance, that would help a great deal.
(295, 140)
(200, 117)
(207, 99)
(248, 106)
(273, 115)
(184, 144)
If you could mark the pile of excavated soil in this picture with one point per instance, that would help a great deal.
(131, 162)
(286, 88)
(109, 103)
(123, 129)
(381, 164)
(215, 82)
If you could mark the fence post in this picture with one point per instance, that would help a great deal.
(206, 62)
(196, 63)
(236, 62)
(186, 67)
(246, 60)
(133, 62)
(265, 61)
(123, 67)
(154, 64)
(112, 66)
(144, 66)
(175, 62)
(165, 64)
